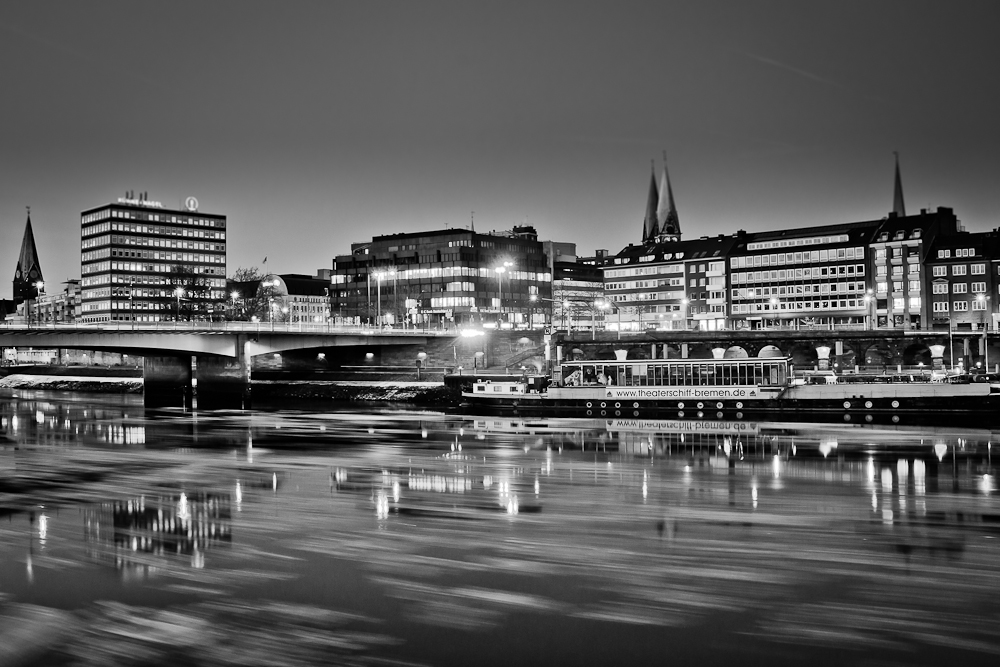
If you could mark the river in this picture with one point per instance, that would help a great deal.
(325, 533)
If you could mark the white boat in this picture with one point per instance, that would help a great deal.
(738, 389)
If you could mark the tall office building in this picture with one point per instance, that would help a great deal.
(145, 263)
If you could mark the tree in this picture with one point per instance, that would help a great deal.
(196, 295)
(249, 296)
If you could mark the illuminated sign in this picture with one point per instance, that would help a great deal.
(140, 202)
(191, 204)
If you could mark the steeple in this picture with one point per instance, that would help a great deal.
(650, 227)
(666, 212)
(28, 272)
(898, 207)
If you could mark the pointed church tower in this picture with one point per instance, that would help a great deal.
(29, 271)
(650, 226)
(666, 212)
(898, 207)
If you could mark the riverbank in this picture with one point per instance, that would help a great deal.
(82, 383)
(423, 393)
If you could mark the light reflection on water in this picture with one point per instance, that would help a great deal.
(437, 538)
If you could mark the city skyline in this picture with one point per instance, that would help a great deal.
(321, 124)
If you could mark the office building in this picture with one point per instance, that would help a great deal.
(444, 278)
(143, 262)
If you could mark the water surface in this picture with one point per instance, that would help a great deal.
(329, 534)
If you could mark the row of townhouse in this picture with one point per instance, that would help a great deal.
(902, 272)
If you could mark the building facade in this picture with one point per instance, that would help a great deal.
(899, 251)
(63, 307)
(297, 298)
(444, 278)
(961, 281)
(810, 277)
(669, 285)
(143, 262)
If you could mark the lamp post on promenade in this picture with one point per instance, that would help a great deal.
(869, 309)
(984, 301)
(606, 302)
(501, 269)
(378, 287)
(179, 292)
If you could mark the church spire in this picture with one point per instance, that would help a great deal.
(898, 207)
(650, 226)
(28, 272)
(666, 212)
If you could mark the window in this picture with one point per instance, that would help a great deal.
(960, 306)
(959, 288)
(979, 304)
(958, 270)
(979, 288)
(940, 271)
(939, 288)
(944, 254)
(940, 307)
(914, 303)
(978, 269)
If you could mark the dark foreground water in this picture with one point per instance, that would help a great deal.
(325, 534)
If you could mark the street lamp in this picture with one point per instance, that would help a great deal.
(684, 302)
(179, 292)
(774, 309)
(233, 298)
(500, 271)
(604, 303)
(869, 315)
(131, 303)
(378, 281)
(983, 301)
(31, 304)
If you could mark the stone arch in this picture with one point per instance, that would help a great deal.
(847, 358)
(736, 352)
(917, 354)
(673, 352)
(700, 350)
(804, 354)
(605, 353)
(877, 356)
(770, 351)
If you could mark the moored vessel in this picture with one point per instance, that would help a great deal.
(740, 389)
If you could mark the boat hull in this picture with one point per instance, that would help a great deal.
(922, 403)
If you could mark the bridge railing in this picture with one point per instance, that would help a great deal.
(224, 327)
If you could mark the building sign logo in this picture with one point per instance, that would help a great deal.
(139, 202)
(191, 204)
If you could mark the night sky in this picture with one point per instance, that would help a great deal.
(315, 124)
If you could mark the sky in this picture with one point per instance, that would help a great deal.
(313, 125)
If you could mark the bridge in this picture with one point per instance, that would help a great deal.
(221, 351)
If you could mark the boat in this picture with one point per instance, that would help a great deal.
(752, 388)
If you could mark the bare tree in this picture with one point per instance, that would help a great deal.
(192, 291)
(249, 296)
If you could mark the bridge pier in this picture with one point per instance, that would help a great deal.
(166, 381)
(223, 382)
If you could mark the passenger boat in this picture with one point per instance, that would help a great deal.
(737, 389)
